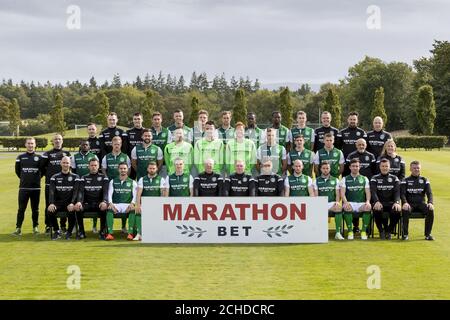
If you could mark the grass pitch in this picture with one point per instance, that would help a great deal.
(36, 268)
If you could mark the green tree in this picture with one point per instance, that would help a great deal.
(195, 108)
(425, 110)
(14, 116)
(148, 107)
(102, 104)
(286, 107)
(240, 107)
(378, 105)
(57, 115)
(333, 105)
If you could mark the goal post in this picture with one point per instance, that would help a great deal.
(77, 127)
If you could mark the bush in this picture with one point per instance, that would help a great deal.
(17, 143)
(425, 142)
(72, 142)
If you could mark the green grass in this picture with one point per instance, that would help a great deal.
(35, 268)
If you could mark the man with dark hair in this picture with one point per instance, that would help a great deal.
(346, 138)
(239, 184)
(80, 160)
(134, 138)
(178, 123)
(283, 134)
(240, 148)
(377, 137)
(199, 128)
(209, 147)
(109, 133)
(160, 136)
(252, 131)
(63, 195)
(92, 197)
(305, 155)
(331, 154)
(145, 153)
(29, 169)
(319, 133)
(226, 131)
(302, 130)
(208, 183)
(298, 184)
(413, 191)
(273, 151)
(269, 184)
(385, 196)
(52, 165)
(94, 141)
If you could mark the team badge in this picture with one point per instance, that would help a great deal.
(36, 158)
(117, 133)
(128, 184)
(152, 151)
(358, 133)
(335, 154)
(244, 179)
(332, 183)
(421, 181)
(272, 179)
(163, 135)
(382, 136)
(367, 158)
(214, 179)
(99, 178)
(303, 180)
(69, 179)
(396, 160)
(389, 179)
(185, 179)
(121, 159)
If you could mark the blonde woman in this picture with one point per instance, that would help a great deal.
(397, 163)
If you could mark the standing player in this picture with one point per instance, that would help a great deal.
(178, 149)
(134, 138)
(93, 197)
(252, 131)
(29, 169)
(377, 137)
(121, 199)
(305, 155)
(331, 154)
(52, 165)
(63, 194)
(273, 151)
(94, 141)
(283, 134)
(209, 147)
(80, 160)
(397, 163)
(151, 185)
(226, 131)
(239, 184)
(346, 138)
(208, 183)
(161, 136)
(145, 153)
(298, 184)
(107, 135)
(413, 191)
(269, 184)
(302, 130)
(199, 128)
(240, 148)
(180, 184)
(328, 186)
(385, 189)
(355, 194)
(178, 118)
(319, 133)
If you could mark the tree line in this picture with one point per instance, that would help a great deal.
(413, 97)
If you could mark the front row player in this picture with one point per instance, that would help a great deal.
(298, 184)
(268, 183)
(328, 186)
(413, 191)
(121, 199)
(239, 184)
(355, 193)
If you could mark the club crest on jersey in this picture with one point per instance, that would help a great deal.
(214, 179)
(121, 159)
(185, 179)
(367, 158)
(152, 151)
(128, 184)
(335, 154)
(396, 160)
(97, 143)
(244, 179)
(421, 181)
(36, 158)
(389, 179)
(117, 133)
(358, 133)
(163, 135)
(69, 179)
(99, 178)
(382, 136)
(332, 183)
(272, 179)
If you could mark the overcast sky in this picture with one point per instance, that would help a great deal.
(274, 41)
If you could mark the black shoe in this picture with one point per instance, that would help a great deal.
(68, 235)
(101, 236)
(429, 237)
(356, 230)
(405, 237)
(56, 235)
(388, 236)
(382, 235)
(82, 235)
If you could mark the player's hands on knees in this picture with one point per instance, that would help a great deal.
(70, 207)
(78, 206)
(406, 207)
(138, 209)
(337, 206)
(367, 206)
(130, 207)
(51, 208)
(103, 206)
(113, 208)
(347, 206)
(397, 207)
(378, 206)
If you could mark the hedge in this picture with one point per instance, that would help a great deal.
(425, 142)
(10, 142)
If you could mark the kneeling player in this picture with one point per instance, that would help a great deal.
(355, 193)
(239, 184)
(328, 186)
(121, 199)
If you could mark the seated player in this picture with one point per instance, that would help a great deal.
(239, 184)
(208, 183)
(298, 184)
(269, 184)
(180, 184)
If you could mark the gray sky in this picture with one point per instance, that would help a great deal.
(275, 41)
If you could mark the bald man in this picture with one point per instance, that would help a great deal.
(377, 137)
